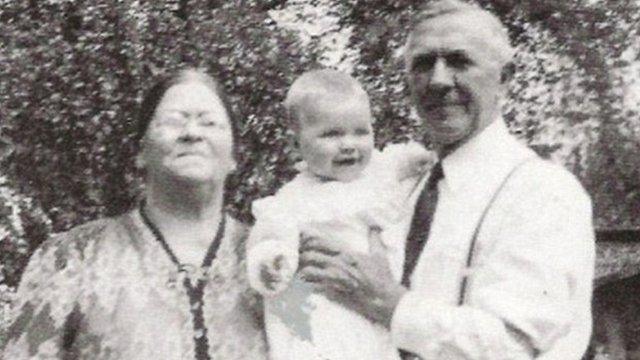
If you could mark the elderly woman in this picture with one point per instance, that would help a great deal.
(166, 280)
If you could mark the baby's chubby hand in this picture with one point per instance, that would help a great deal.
(412, 160)
(271, 265)
(276, 273)
(408, 160)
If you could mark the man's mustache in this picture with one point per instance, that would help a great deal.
(437, 98)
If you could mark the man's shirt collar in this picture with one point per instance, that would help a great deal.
(484, 160)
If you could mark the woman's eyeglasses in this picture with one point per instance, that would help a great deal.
(179, 119)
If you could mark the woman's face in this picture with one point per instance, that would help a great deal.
(189, 136)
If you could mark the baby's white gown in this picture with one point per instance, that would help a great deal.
(299, 323)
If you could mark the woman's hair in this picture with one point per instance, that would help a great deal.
(153, 96)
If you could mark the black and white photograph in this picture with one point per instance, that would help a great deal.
(319, 179)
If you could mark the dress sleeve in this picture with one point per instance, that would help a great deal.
(46, 303)
(524, 294)
(275, 233)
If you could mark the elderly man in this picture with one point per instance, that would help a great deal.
(498, 261)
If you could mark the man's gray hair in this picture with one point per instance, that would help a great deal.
(433, 9)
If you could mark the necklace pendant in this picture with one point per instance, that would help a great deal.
(194, 273)
(203, 273)
(188, 270)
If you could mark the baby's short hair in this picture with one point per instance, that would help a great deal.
(315, 86)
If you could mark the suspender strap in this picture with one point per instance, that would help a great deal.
(476, 232)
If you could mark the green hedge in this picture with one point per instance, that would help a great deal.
(73, 72)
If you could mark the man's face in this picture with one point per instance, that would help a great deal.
(336, 139)
(454, 77)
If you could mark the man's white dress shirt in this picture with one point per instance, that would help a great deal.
(529, 289)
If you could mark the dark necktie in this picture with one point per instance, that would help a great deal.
(419, 230)
(421, 223)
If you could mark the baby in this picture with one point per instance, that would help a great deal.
(345, 189)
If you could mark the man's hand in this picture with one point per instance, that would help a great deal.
(361, 282)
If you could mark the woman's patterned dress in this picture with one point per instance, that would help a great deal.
(107, 290)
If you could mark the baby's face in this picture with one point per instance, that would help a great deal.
(336, 140)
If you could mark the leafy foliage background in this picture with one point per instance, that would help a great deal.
(72, 73)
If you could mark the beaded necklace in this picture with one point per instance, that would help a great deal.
(196, 292)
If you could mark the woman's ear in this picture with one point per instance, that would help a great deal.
(139, 163)
(507, 72)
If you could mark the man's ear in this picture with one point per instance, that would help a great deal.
(233, 166)
(507, 72)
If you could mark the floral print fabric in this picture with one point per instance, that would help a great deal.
(107, 290)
